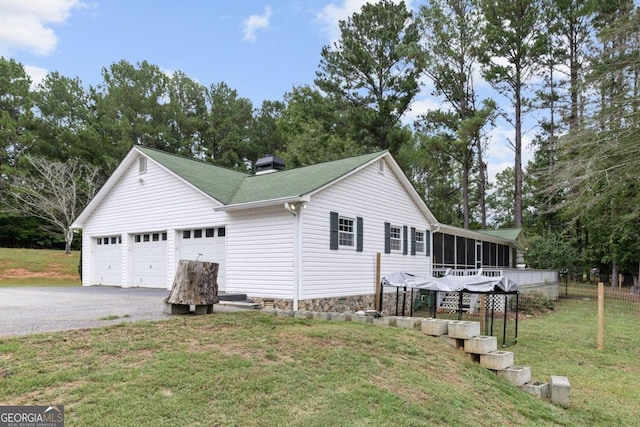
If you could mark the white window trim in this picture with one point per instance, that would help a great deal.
(422, 242)
(352, 233)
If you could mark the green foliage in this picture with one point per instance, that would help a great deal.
(514, 33)
(16, 115)
(374, 67)
(557, 251)
(27, 232)
(229, 120)
(315, 128)
(533, 302)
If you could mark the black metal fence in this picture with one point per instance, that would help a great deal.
(497, 312)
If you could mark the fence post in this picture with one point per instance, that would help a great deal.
(600, 315)
(378, 296)
(483, 313)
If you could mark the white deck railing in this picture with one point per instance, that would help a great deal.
(522, 277)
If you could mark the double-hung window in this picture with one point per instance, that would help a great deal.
(419, 241)
(346, 231)
(395, 236)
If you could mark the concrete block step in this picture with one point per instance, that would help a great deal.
(241, 304)
(232, 297)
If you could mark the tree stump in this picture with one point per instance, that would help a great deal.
(195, 283)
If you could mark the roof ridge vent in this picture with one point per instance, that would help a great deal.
(269, 164)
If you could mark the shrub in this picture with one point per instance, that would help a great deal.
(535, 301)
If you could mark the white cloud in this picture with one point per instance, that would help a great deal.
(37, 74)
(329, 17)
(255, 23)
(421, 105)
(500, 154)
(26, 24)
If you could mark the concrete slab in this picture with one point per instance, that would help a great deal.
(30, 310)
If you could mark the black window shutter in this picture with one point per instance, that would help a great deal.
(427, 242)
(413, 240)
(387, 238)
(333, 234)
(405, 240)
(359, 234)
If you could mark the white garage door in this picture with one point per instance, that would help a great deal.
(107, 264)
(205, 244)
(150, 260)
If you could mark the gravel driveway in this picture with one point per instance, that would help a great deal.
(31, 310)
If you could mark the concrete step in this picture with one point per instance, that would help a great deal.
(250, 305)
(232, 297)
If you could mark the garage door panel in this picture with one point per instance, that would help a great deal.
(149, 266)
(206, 244)
(107, 261)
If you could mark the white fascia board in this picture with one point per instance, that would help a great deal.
(111, 182)
(262, 203)
(457, 231)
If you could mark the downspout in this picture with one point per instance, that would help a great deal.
(296, 211)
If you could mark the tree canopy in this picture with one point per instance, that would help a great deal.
(571, 64)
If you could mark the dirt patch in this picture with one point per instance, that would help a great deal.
(20, 273)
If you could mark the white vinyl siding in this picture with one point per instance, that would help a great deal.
(260, 245)
(145, 204)
(377, 198)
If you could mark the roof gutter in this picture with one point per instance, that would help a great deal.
(262, 203)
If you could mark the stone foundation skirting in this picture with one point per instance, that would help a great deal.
(336, 304)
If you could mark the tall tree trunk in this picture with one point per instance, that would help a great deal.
(482, 184)
(614, 274)
(68, 238)
(517, 202)
(465, 191)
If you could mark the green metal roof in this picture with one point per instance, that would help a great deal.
(217, 182)
(505, 233)
(232, 187)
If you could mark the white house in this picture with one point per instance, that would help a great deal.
(305, 238)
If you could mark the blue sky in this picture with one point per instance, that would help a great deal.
(260, 48)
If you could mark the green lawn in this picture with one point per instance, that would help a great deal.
(254, 369)
(38, 267)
